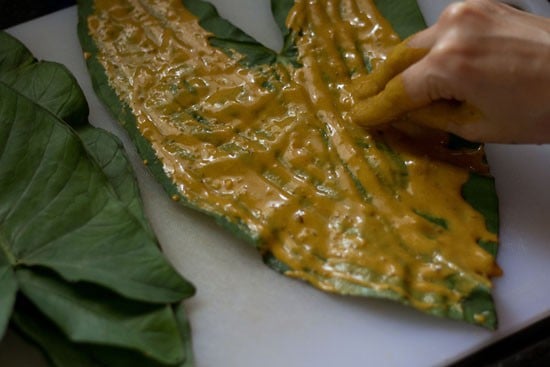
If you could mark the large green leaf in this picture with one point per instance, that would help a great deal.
(475, 304)
(13, 54)
(83, 315)
(53, 87)
(185, 331)
(62, 352)
(62, 217)
(109, 356)
(46, 83)
(73, 235)
(8, 288)
(59, 350)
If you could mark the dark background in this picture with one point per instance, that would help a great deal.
(17, 11)
(529, 347)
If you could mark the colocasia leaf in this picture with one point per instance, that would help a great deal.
(75, 247)
(82, 313)
(263, 141)
(8, 288)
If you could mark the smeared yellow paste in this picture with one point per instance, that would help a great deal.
(273, 148)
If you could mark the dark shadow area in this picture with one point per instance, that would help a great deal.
(528, 347)
(15, 12)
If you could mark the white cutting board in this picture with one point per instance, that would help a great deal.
(246, 315)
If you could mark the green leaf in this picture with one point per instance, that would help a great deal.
(73, 230)
(479, 308)
(480, 192)
(232, 39)
(48, 84)
(280, 11)
(404, 15)
(8, 287)
(108, 152)
(88, 314)
(275, 69)
(13, 54)
(489, 246)
(126, 358)
(62, 352)
(289, 52)
(185, 331)
(63, 216)
(51, 86)
(59, 350)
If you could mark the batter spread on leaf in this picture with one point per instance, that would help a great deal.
(267, 145)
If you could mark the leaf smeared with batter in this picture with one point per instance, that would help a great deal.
(262, 141)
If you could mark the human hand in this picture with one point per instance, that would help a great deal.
(481, 72)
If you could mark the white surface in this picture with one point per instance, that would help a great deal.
(432, 8)
(246, 315)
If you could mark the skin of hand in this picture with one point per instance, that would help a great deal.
(481, 72)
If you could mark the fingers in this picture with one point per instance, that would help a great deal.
(424, 79)
(383, 107)
(399, 59)
(402, 56)
(380, 96)
(395, 97)
(425, 68)
(424, 39)
(420, 96)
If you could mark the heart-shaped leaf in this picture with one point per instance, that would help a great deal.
(262, 142)
(76, 250)
(81, 312)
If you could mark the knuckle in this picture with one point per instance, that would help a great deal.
(455, 57)
(469, 11)
(454, 13)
